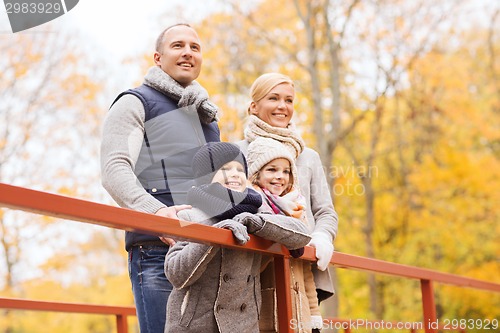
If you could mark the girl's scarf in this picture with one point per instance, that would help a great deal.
(223, 203)
(194, 94)
(291, 204)
(288, 136)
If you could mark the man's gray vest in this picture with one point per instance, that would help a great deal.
(172, 136)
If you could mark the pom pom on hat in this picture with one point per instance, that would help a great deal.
(212, 156)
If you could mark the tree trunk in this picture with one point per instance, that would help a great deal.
(370, 248)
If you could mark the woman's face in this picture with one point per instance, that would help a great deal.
(276, 108)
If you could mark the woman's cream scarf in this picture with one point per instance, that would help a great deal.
(288, 136)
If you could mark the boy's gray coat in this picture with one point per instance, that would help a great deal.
(218, 289)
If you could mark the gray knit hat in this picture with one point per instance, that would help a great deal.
(212, 156)
(262, 150)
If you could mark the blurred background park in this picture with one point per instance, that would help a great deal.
(400, 98)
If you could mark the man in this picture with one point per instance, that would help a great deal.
(149, 138)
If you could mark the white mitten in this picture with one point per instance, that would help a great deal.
(317, 322)
(324, 249)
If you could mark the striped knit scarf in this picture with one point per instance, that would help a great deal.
(223, 203)
(194, 94)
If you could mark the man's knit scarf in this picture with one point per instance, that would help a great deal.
(194, 94)
(223, 203)
(288, 136)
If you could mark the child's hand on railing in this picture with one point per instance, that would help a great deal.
(253, 222)
(238, 229)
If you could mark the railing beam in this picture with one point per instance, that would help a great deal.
(430, 317)
(284, 299)
(121, 324)
(21, 304)
(120, 312)
(370, 265)
(64, 207)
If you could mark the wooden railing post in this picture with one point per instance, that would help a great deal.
(430, 317)
(284, 299)
(121, 323)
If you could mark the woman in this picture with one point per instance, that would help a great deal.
(270, 113)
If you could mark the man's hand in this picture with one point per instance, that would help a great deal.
(170, 212)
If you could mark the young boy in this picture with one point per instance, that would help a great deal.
(218, 289)
(273, 173)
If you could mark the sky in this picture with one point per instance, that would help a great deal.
(117, 34)
(117, 30)
(117, 27)
(121, 28)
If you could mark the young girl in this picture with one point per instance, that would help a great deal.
(273, 173)
(218, 289)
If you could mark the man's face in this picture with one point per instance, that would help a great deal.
(180, 56)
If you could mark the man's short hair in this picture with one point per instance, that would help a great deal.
(159, 40)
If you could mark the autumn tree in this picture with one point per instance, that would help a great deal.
(50, 115)
(356, 103)
(400, 98)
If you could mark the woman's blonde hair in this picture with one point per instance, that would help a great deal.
(265, 83)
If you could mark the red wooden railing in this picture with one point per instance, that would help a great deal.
(125, 219)
(120, 312)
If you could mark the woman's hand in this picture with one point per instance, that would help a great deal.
(324, 249)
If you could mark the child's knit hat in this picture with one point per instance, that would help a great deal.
(262, 150)
(212, 156)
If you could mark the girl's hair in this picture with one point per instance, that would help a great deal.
(265, 83)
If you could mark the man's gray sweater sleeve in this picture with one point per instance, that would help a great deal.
(122, 137)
